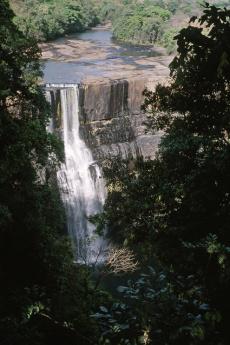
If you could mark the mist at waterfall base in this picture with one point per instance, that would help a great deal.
(80, 180)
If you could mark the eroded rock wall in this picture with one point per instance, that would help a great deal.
(111, 120)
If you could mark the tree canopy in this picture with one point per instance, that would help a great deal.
(41, 288)
(178, 206)
(49, 19)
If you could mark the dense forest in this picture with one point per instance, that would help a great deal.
(173, 211)
(133, 21)
(45, 20)
(152, 21)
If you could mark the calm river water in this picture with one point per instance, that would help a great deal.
(95, 54)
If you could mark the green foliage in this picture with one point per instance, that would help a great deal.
(177, 207)
(151, 21)
(194, 156)
(168, 40)
(45, 297)
(158, 308)
(49, 19)
(108, 9)
(140, 23)
(128, 218)
(134, 22)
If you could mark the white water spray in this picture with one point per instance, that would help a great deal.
(81, 182)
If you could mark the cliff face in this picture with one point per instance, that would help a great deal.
(111, 121)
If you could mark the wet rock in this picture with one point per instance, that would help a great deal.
(111, 120)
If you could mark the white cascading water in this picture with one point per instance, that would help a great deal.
(81, 182)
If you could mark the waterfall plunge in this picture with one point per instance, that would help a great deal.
(80, 179)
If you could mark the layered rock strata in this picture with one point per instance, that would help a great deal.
(111, 121)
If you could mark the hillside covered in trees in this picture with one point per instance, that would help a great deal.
(133, 21)
(152, 21)
(46, 20)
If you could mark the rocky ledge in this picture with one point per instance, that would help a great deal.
(111, 121)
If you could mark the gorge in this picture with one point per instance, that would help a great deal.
(97, 112)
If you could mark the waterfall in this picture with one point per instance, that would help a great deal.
(80, 180)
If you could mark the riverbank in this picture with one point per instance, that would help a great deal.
(95, 55)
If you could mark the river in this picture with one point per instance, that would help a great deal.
(95, 55)
(108, 102)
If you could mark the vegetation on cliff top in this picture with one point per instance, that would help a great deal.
(153, 21)
(49, 19)
(176, 208)
(133, 21)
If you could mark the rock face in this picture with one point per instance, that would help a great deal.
(111, 121)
